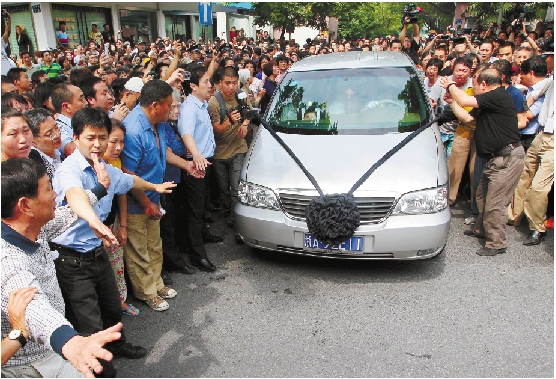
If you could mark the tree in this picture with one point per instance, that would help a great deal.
(357, 20)
(437, 16)
(287, 16)
(487, 12)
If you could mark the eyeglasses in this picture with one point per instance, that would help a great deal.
(53, 134)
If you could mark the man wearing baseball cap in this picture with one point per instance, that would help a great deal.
(130, 94)
(195, 54)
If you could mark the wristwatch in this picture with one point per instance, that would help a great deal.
(17, 334)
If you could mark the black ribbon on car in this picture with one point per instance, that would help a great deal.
(333, 218)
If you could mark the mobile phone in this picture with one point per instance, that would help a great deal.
(106, 45)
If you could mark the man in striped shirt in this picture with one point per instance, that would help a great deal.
(51, 68)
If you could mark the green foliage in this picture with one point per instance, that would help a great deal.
(487, 12)
(358, 20)
(437, 15)
(287, 16)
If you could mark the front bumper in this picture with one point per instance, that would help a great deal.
(398, 237)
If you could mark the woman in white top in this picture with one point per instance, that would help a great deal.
(432, 72)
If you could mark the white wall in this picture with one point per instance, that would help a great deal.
(222, 25)
(44, 27)
(300, 34)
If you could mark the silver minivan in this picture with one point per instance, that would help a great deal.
(339, 114)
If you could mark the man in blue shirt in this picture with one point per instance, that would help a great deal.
(532, 71)
(86, 278)
(195, 128)
(144, 155)
(66, 100)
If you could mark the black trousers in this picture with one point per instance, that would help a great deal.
(90, 294)
(173, 229)
(526, 140)
(196, 197)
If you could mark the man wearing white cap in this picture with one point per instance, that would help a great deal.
(130, 95)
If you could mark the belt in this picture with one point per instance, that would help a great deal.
(67, 251)
(505, 151)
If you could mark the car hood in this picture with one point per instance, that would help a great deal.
(337, 162)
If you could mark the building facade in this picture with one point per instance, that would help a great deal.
(137, 21)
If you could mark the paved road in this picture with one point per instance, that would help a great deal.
(271, 315)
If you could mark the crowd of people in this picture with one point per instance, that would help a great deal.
(117, 157)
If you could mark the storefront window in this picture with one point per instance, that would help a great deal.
(138, 25)
(79, 20)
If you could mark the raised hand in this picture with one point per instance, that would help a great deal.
(100, 169)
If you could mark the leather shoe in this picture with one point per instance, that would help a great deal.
(471, 233)
(487, 251)
(204, 264)
(131, 352)
(212, 238)
(187, 270)
(166, 278)
(534, 238)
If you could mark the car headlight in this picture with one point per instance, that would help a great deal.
(423, 202)
(257, 196)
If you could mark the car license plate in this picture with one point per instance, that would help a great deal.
(352, 244)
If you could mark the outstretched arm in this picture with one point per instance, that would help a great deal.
(83, 352)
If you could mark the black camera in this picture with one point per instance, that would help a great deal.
(241, 107)
(546, 44)
(518, 27)
(412, 11)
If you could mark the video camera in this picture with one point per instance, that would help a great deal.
(518, 27)
(546, 44)
(411, 10)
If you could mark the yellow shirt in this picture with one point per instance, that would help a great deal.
(115, 163)
(467, 130)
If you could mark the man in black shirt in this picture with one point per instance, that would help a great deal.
(410, 45)
(498, 141)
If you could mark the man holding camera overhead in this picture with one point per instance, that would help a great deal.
(410, 45)
(226, 109)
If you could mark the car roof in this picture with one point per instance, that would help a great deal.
(352, 59)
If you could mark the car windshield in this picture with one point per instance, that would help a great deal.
(349, 101)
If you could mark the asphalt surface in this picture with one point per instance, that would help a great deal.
(265, 314)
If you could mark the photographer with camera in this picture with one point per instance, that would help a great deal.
(227, 110)
(519, 34)
(410, 45)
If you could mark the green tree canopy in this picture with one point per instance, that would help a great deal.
(287, 16)
(355, 19)
(487, 12)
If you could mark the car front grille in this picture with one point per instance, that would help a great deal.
(333, 254)
(372, 209)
